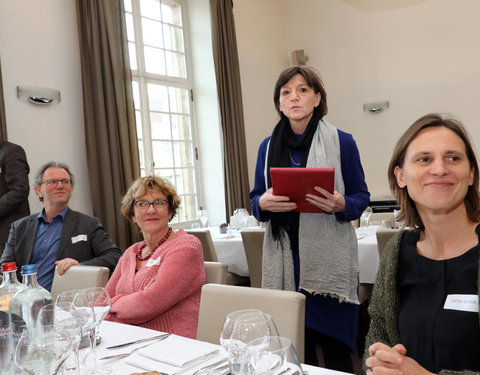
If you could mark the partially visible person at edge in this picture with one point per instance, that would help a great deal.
(157, 282)
(14, 187)
(315, 254)
(424, 309)
(57, 235)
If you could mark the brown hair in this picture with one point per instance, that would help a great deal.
(311, 76)
(145, 184)
(408, 210)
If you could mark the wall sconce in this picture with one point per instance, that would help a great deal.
(376, 107)
(299, 57)
(38, 95)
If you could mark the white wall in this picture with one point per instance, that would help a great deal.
(39, 47)
(262, 45)
(207, 113)
(421, 55)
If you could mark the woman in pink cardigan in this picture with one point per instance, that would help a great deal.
(157, 282)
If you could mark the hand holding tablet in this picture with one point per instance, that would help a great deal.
(296, 183)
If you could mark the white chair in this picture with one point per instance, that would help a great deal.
(205, 238)
(253, 244)
(383, 236)
(378, 217)
(287, 309)
(216, 273)
(79, 277)
(210, 255)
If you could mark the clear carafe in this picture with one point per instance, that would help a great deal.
(27, 302)
(8, 288)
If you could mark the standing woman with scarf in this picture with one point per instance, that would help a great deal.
(315, 254)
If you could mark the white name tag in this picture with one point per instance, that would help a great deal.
(462, 302)
(80, 237)
(153, 262)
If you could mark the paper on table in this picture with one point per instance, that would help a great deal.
(178, 351)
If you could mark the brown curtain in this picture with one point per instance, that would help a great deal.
(227, 70)
(3, 117)
(110, 133)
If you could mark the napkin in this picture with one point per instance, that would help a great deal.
(179, 351)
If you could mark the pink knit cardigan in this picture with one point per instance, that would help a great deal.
(164, 296)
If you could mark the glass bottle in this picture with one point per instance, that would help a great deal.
(8, 288)
(27, 302)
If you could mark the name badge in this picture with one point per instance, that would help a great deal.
(153, 262)
(80, 237)
(462, 302)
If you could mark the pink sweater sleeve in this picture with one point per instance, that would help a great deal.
(180, 274)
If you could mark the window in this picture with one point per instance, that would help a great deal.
(162, 94)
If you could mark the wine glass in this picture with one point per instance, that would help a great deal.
(239, 329)
(272, 356)
(65, 316)
(94, 301)
(365, 217)
(43, 351)
(203, 217)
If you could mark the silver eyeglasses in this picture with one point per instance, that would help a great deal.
(157, 203)
(54, 182)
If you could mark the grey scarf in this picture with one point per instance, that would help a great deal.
(327, 248)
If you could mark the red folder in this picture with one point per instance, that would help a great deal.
(297, 182)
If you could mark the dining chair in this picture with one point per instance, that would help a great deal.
(287, 309)
(253, 244)
(215, 273)
(378, 217)
(210, 255)
(205, 238)
(383, 236)
(79, 277)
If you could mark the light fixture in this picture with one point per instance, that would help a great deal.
(299, 57)
(376, 107)
(38, 95)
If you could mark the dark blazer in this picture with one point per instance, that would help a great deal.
(83, 238)
(14, 187)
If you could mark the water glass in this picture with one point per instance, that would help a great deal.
(239, 329)
(273, 355)
(43, 351)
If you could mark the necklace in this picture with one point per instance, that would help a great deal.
(138, 253)
(293, 161)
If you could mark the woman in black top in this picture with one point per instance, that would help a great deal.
(424, 310)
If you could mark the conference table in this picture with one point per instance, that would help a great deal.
(178, 348)
(230, 251)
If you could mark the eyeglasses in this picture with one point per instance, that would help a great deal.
(54, 182)
(144, 205)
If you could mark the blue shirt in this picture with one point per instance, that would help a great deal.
(46, 246)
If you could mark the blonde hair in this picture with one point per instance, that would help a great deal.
(145, 184)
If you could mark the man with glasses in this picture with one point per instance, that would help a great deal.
(58, 236)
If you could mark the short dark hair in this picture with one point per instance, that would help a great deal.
(313, 79)
(145, 184)
(38, 178)
(408, 210)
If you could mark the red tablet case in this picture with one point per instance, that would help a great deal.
(297, 182)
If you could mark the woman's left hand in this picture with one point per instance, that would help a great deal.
(327, 202)
(385, 360)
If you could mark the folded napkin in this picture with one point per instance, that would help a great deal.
(179, 351)
(139, 361)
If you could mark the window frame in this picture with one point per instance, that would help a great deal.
(143, 78)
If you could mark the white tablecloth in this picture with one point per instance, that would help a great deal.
(368, 258)
(116, 333)
(229, 249)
